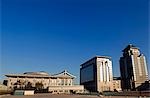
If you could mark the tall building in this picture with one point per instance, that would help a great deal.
(96, 74)
(133, 68)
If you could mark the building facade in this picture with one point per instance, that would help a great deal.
(3, 87)
(96, 74)
(54, 83)
(133, 68)
(117, 84)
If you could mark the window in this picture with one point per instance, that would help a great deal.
(80, 90)
(61, 91)
(106, 63)
(66, 90)
(62, 82)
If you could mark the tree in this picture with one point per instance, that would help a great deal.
(29, 85)
(19, 84)
(39, 86)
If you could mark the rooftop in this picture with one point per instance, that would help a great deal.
(107, 57)
(63, 74)
(36, 73)
(128, 47)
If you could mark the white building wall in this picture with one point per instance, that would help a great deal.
(145, 66)
(110, 70)
(139, 66)
(45, 81)
(101, 73)
(104, 76)
(134, 71)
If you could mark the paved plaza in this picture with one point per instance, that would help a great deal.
(65, 96)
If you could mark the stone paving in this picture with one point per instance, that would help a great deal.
(64, 96)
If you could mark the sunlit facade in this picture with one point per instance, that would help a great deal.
(133, 68)
(96, 74)
(57, 83)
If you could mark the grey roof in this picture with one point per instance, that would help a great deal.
(27, 75)
(63, 74)
(37, 73)
(107, 57)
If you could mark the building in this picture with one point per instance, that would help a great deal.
(117, 84)
(144, 86)
(3, 87)
(133, 68)
(96, 74)
(57, 83)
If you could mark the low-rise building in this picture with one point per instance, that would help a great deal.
(117, 84)
(144, 86)
(57, 83)
(3, 87)
(66, 89)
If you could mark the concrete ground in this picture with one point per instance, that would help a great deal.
(64, 96)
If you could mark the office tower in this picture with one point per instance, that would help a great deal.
(96, 74)
(133, 68)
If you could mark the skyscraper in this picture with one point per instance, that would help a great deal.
(133, 68)
(96, 74)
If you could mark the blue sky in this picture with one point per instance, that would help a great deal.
(53, 35)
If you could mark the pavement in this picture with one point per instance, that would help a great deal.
(64, 96)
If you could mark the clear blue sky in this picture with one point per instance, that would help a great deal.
(53, 35)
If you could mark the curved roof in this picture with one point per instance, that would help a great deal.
(43, 74)
(63, 74)
(36, 73)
